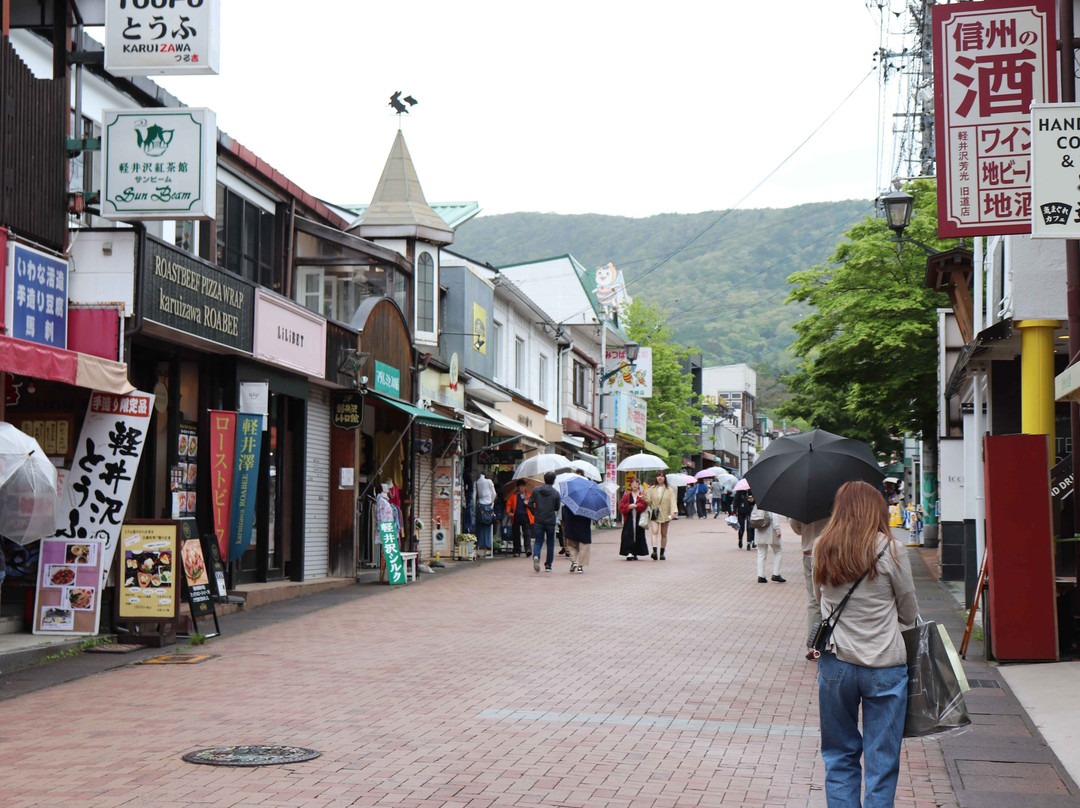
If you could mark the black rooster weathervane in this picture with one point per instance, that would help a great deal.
(399, 108)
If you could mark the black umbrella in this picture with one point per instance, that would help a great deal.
(798, 476)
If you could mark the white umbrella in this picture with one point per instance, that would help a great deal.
(28, 498)
(539, 465)
(610, 487)
(677, 479)
(642, 462)
(728, 481)
(588, 468)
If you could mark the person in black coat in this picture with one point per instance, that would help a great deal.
(742, 506)
(631, 506)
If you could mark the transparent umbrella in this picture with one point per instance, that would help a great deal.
(28, 498)
(642, 462)
(587, 468)
(677, 479)
(539, 465)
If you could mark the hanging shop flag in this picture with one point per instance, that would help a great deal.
(245, 476)
(36, 296)
(992, 60)
(69, 585)
(161, 163)
(395, 566)
(96, 490)
(175, 37)
(222, 454)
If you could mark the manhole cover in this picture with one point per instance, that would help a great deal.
(178, 659)
(251, 755)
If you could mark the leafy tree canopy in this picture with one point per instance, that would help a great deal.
(670, 419)
(868, 348)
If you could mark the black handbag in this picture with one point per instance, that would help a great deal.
(486, 515)
(822, 630)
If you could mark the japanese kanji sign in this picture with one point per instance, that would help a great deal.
(395, 565)
(222, 452)
(1055, 170)
(36, 296)
(97, 488)
(245, 476)
(992, 60)
(160, 163)
(150, 37)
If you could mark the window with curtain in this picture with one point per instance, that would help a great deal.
(520, 370)
(542, 379)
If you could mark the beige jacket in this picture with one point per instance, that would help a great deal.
(662, 498)
(868, 631)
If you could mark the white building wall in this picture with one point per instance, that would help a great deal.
(1034, 271)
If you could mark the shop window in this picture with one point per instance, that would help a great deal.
(496, 350)
(520, 369)
(425, 294)
(582, 393)
(337, 288)
(402, 293)
(542, 379)
(245, 238)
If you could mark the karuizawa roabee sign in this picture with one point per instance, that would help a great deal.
(159, 163)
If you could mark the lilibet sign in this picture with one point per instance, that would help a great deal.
(151, 37)
(159, 164)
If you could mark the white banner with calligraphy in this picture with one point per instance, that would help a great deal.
(98, 486)
(152, 37)
(992, 60)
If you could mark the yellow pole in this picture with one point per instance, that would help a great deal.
(1037, 377)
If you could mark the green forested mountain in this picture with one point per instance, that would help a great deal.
(721, 276)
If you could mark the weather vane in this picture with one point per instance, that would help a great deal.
(399, 107)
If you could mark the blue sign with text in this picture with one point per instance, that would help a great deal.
(37, 296)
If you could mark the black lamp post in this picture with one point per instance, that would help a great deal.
(898, 208)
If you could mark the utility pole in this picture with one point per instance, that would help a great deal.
(926, 91)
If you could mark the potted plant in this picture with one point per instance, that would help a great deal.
(465, 546)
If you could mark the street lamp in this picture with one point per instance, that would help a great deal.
(898, 207)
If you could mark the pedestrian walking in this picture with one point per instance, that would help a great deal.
(546, 504)
(716, 491)
(864, 663)
(701, 494)
(631, 506)
(743, 505)
(578, 535)
(485, 514)
(689, 500)
(770, 537)
(660, 499)
(519, 510)
(808, 533)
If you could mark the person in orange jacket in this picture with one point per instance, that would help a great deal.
(519, 509)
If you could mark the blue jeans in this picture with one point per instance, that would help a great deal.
(540, 533)
(883, 695)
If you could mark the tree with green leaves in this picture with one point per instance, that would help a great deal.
(671, 415)
(868, 350)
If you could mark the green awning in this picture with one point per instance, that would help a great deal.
(421, 416)
(659, 451)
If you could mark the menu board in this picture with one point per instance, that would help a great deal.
(197, 581)
(148, 582)
(183, 476)
(68, 587)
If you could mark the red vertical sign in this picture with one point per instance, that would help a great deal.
(992, 60)
(222, 454)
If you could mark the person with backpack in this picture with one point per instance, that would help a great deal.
(767, 527)
(742, 506)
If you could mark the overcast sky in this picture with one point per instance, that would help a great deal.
(566, 107)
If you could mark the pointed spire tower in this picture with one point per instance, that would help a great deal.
(398, 209)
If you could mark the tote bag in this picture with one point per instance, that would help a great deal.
(936, 682)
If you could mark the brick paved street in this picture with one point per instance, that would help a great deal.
(675, 683)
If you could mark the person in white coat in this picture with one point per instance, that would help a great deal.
(485, 514)
(765, 538)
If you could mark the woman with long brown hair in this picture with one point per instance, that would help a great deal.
(864, 662)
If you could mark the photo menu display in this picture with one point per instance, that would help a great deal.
(68, 587)
(183, 479)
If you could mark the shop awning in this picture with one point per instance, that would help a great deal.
(573, 440)
(508, 424)
(59, 365)
(584, 430)
(659, 451)
(477, 422)
(422, 416)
